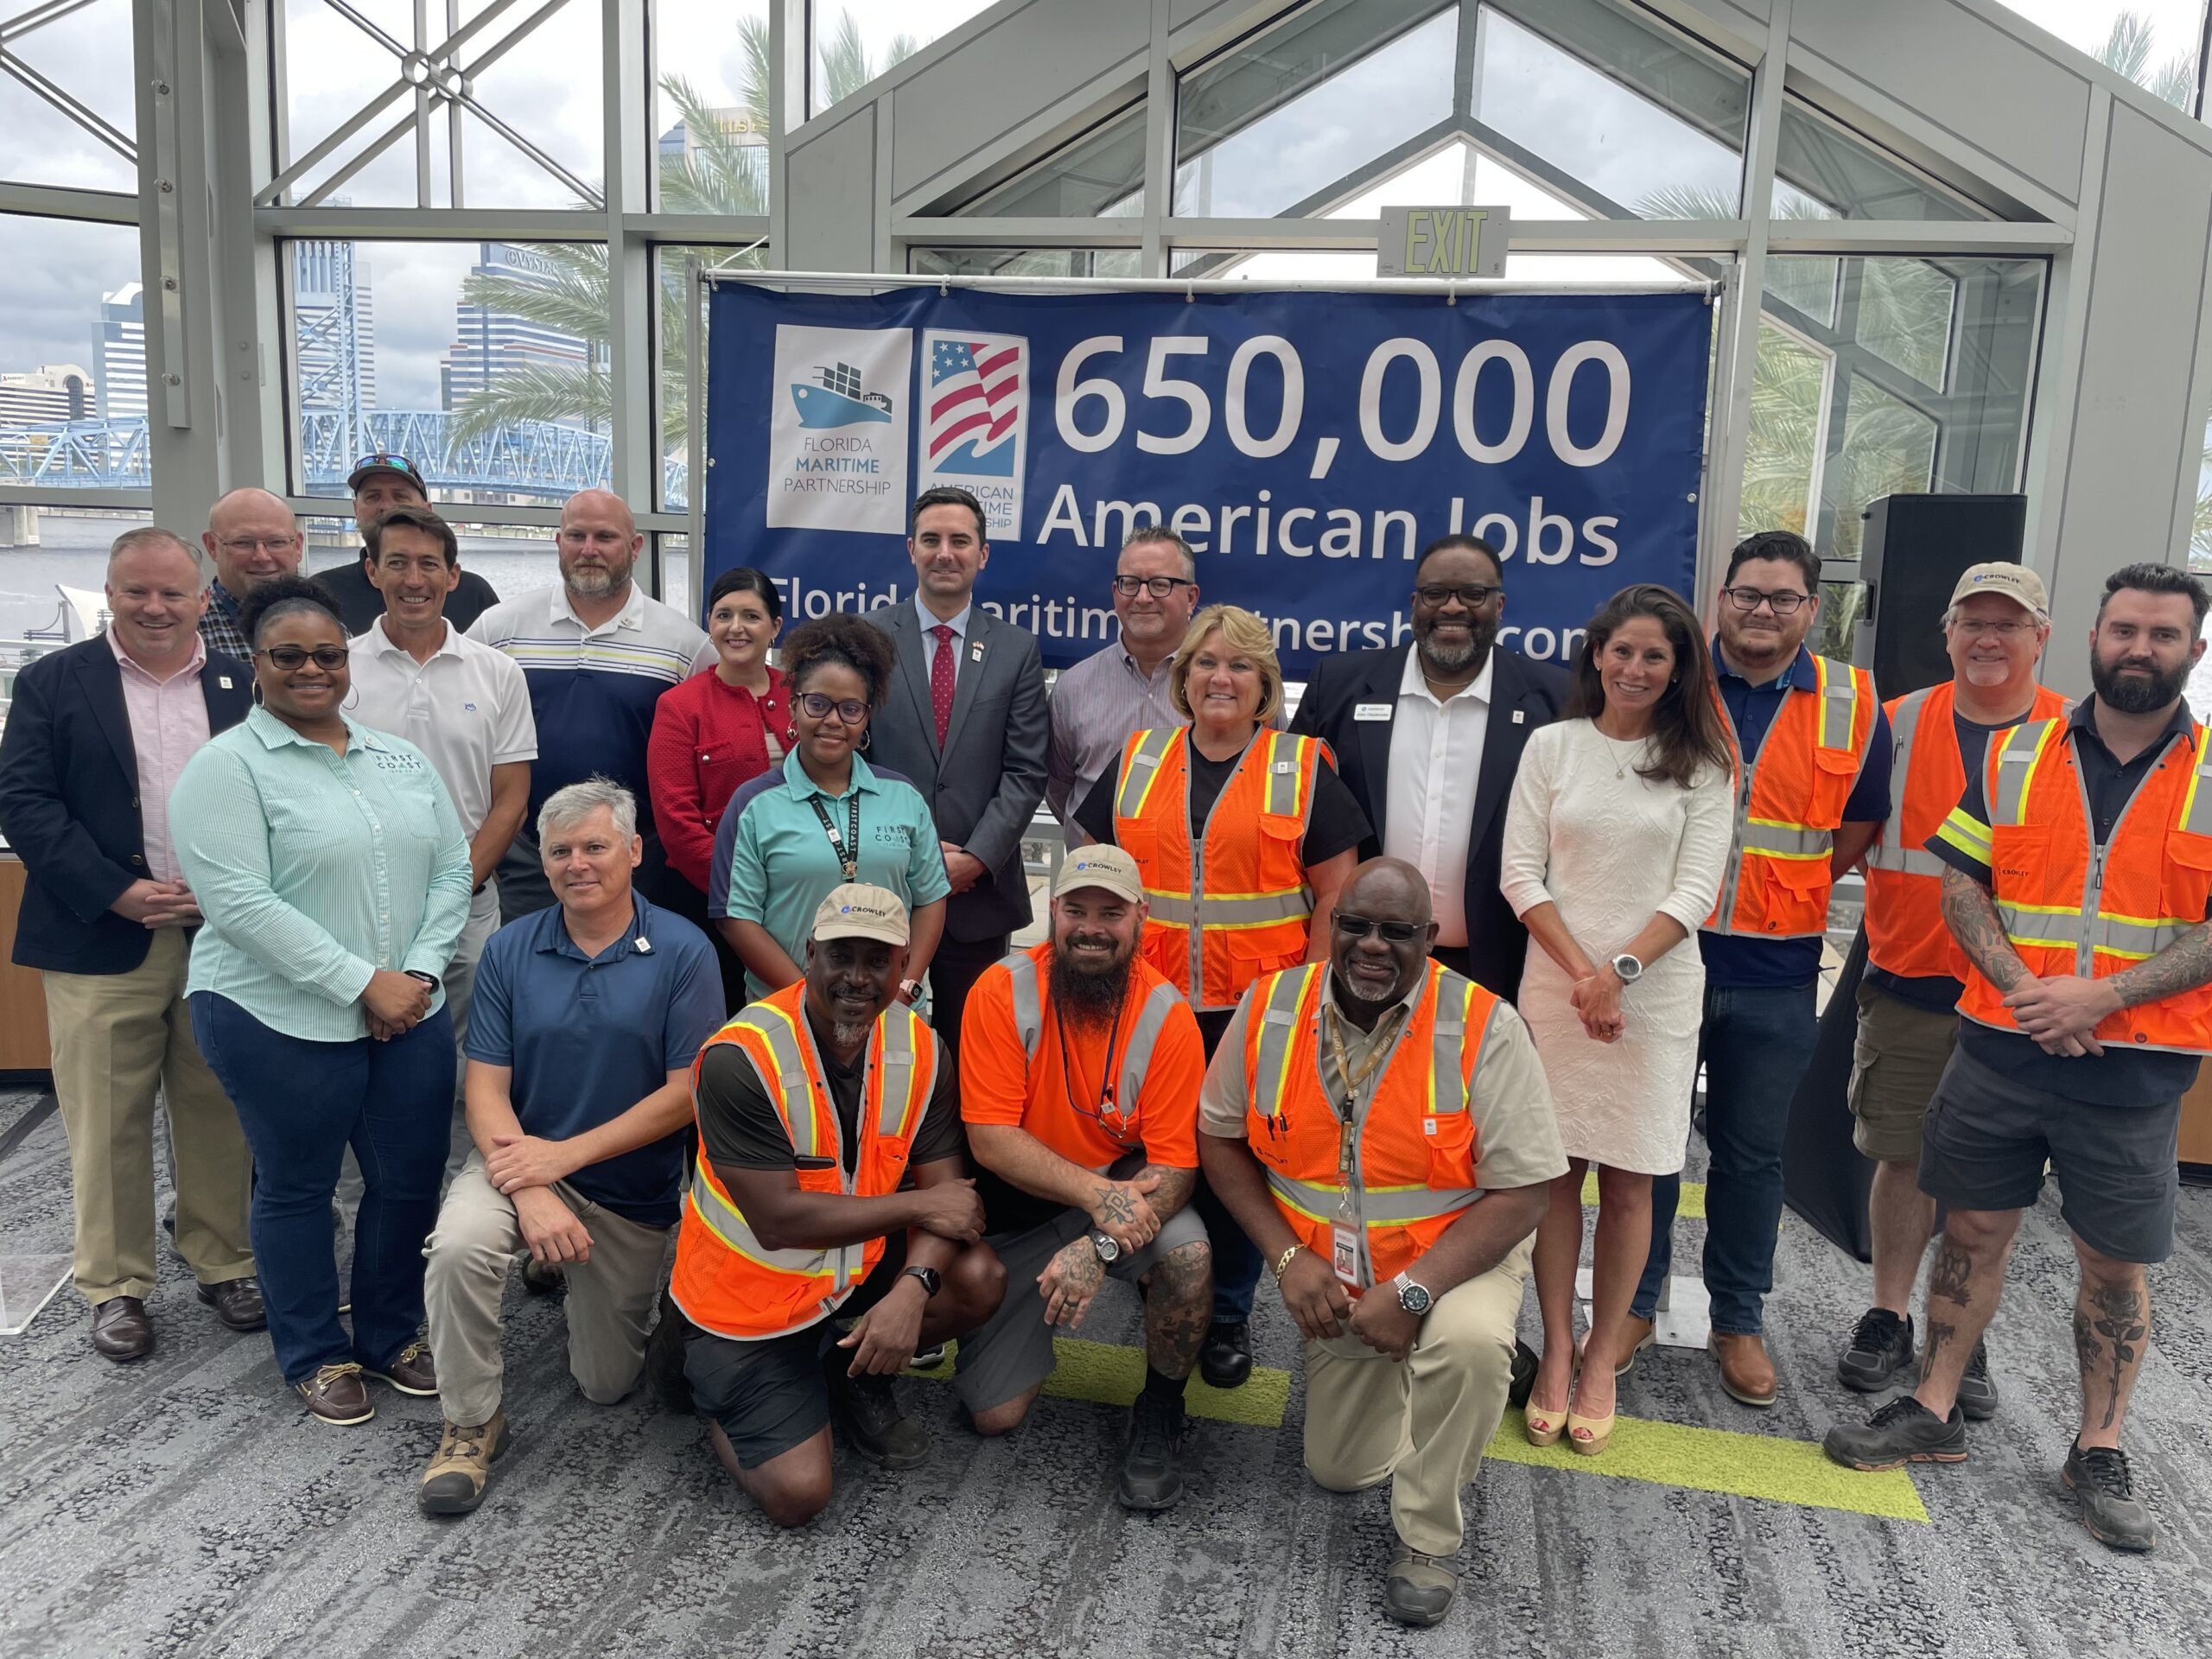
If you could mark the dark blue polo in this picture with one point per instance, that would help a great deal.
(589, 1036)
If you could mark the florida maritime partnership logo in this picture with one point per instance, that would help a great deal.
(837, 440)
(974, 420)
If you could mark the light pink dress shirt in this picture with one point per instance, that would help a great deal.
(168, 725)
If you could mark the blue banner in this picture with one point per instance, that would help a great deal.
(1307, 445)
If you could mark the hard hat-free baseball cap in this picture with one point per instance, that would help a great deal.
(2013, 582)
(860, 912)
(1100, 867)
(398, 466)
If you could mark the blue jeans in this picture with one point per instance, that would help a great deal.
(1755, 1043)
(301, 1104)
(1236, 1259)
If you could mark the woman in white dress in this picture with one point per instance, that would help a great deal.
(1615, 840)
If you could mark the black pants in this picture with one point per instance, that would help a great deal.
(954, 970)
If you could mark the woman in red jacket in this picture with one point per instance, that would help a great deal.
(716, 730)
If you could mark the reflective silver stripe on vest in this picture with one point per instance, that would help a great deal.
(1173, 910)
(2196, 803)
(1394, 1206)
(1282, 797)
(2022, 744)
(897, 1090)
(1886, 853)
(1142, 767)
(2059, 930)
(1838, 703)
(1028, 1015)
(1448, 1088)
(1136, 1058)
(781, 1035)
(1777, 841)
(729, 1226)
(1279, 1033)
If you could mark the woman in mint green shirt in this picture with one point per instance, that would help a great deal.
(333, 877)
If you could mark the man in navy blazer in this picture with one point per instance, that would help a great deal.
(966, 722)
(1428, 736)
(95, 739)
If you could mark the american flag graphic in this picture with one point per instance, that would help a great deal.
(975, 399)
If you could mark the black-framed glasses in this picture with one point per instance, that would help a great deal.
(1158, 587)
(1474, 595)
(1359, 927)
(243, 545)
(330, 659)
(851, 710)
(1749, 599)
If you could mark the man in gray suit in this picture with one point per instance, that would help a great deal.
(966, 722)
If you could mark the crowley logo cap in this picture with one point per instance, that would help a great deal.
(2007, 581)
(1100, 867)
(860, 912)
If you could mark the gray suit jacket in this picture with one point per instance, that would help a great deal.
(983, 786)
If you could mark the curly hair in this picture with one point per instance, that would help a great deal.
(843, 639)
(280, 596)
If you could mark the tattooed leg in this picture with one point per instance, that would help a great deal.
(2112, 1330)
(1177, 1308)
(1964, 1280)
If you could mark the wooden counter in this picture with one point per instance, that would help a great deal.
(22, 998)
(2196, 1120)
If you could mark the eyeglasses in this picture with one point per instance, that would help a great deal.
(1359, 927)
(1974, 627)
(1158, 587)
(330, 659)
(850, 710)
(255, 544)
(1474, 595)
(1748, 599)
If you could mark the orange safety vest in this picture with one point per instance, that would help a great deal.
(1789, 798)
(1906, 931)
(726, 1281)
(1236, 906)
(1417, 1147)
(2071, 907)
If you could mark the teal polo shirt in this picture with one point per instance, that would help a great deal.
(774, 864)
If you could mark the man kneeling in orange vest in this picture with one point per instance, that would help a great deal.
(828, 1127)
(1381, 1129)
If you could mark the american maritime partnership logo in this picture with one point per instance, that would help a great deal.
(837, 431)
(974, 420)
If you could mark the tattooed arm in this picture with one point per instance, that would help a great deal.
(2182, 966)
(1970, 912)
(1132, 1211)
(2059, 1012)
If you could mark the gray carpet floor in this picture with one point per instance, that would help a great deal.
(187, 1505)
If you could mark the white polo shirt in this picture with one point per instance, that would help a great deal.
(1436, 760)
(468, 709)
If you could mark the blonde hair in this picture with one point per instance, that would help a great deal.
(1243, 633)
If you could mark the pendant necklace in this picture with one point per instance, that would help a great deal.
(1620, 764)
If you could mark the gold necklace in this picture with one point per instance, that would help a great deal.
(1620, 762)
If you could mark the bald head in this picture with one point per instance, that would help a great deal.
(251, 537)
(1384, 896)
(599, 545)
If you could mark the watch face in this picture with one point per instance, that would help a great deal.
(1413, 1298)
(1109, 1248)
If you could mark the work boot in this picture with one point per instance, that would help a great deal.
(1225, 1356)
(1901, 1432)
(1977, 1393)
(1419, 1588)
(664, 1357)
(453, 1483)
(868, 1410)
(1524, 1375)
(542, 1278)
(1880, 1347)
(2114, 1516)
(1150, 1480)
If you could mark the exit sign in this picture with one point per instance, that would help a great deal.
(1443, 242)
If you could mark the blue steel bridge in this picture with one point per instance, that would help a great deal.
(528, 458)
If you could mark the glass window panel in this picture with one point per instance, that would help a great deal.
(1101, 175)
(1823, 172)
(1025, 262)
(1786, 436)
(2153, 42)
(1888, 448)
(333, 67)
(1265, 128)
(1807, 284)
(710, 106)
(855, 40)
(1834, 633)
(676, 574)
(77, 53)
(1624, 118)
(673, 357)
(1349, 265)
(50, 548)
(1904, 316)
(73, 359)
(547, 89)
(484, 363)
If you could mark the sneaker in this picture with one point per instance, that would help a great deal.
(1225, 1356)
(2114, 1516)
(1419, 1588)
(1880, 1347)
(867, 1410)
(1150, 1480)
(453, 1483)
(336, 1396)
(927, 1358)
(1977, 1394)
(1903, 1432)
(413, 1372)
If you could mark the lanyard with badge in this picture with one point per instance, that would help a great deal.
(847, 846)
(1109, 1114)
(1347, 1235)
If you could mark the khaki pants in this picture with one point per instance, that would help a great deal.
(115, 1038)
(611, 1297)
(1422, 1425)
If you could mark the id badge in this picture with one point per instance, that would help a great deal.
(1344, 1252)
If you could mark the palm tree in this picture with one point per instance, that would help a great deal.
(2127, 50)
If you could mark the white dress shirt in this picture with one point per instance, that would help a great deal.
(467, 709)
(1436, 758)
(958, 642)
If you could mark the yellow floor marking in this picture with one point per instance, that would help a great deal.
(1692, 1204)
(1112, 1376)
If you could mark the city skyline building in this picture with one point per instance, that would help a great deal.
(119, 353)
(52, 391)
(490, 344)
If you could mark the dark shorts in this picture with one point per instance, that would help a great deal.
(1987, 1140)
(769, 1396)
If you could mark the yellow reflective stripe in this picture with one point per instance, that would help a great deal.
(1448, 1083)
(1969, 835)
(1278, 1015)
(728, 1226)
(2197, 803)
(2019, 753)
(1217, 914)
(902, 1097)
(1839, 705)
(1385, 1206)
(1151, 752)
(780, 1031)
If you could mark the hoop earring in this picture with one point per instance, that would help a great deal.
(256, 693)
(791, 734)
(867, 738)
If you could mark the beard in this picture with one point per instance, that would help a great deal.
(1088, 997)
(1451, 659)
(2131, 695)
(1359, 993)
(593, 581)
(846, 1036)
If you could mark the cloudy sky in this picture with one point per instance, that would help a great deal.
(547, 88)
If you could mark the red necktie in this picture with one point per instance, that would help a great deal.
(941, 681)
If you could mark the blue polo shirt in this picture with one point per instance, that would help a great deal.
(589, 1036)
(1737, 959)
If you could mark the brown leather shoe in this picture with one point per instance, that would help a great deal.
(336, 1395)
(121, 1330)
(412, 1372)
(454, 1484)
(237, 1303)
(1637, 1335)
(1745, 1371)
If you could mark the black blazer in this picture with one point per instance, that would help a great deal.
(1523, 695)
(69, 803)
(983, 786)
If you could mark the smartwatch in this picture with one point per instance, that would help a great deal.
(1414, 1297)
(1108, 1247)
(1627, 968)
(932, 1280)
(430, 981)
(911, 990)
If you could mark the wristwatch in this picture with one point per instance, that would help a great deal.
(1108, 1247)
(1414, 1297)
(430, 981)
(932, 1280)
(911, 990)
(1627, 968)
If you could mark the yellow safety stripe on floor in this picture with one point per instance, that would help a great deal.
(1114, 1376)
(1692, 1204)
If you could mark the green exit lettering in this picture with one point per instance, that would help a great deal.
(1443, 242)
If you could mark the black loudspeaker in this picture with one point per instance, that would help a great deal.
(1914, 550)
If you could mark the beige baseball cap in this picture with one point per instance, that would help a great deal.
(862, 912)
(2007, 581)
(1100, 867)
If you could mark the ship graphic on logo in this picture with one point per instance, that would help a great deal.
(838, 400)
